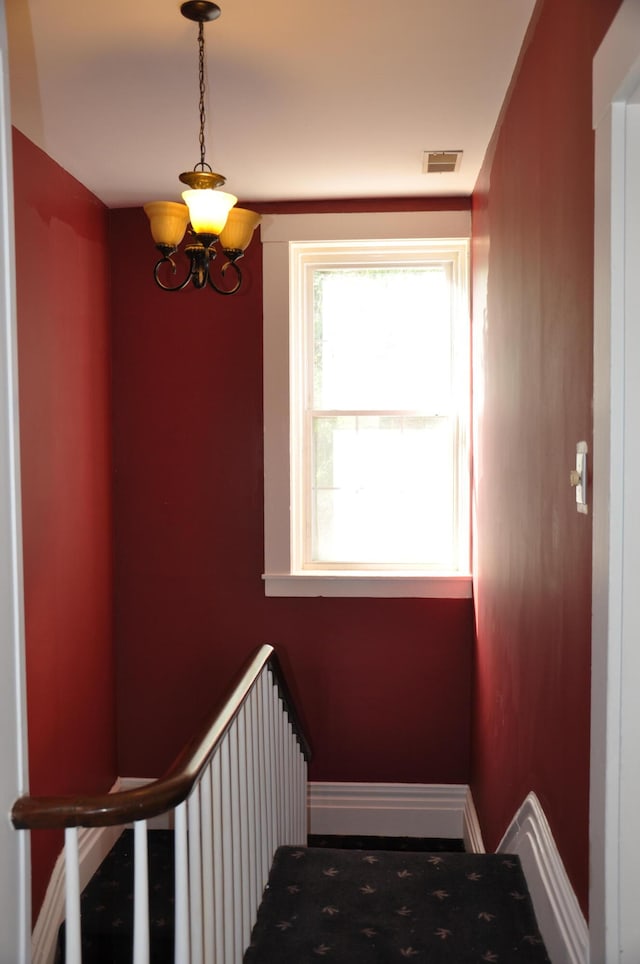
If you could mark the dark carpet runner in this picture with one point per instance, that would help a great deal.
(377, 907)
(360, 904)
(352, 842)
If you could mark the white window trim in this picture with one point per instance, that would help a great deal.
(277, 233)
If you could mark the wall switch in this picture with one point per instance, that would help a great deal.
(578, 477)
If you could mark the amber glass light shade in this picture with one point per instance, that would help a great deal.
(208, 210)
(168, 221)
(238, 231)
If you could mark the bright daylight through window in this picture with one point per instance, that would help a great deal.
(380, 431)
(378, 400)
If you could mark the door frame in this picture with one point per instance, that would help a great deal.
(15, 901)
(615, 711)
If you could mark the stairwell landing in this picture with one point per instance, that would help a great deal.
(357, 903)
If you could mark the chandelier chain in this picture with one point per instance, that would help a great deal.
(203, 117)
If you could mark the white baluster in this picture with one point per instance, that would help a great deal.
(207, 866)
(299, 838)
(243, 812)
(73, 954)
(253, 798)
(140, 893)
(298, 764)
(268, 773)
(293, 789)
(259, 789)
(304, 819)
(282, 787)
(275, 767)
(195, 877)
(288, 779)
(284, 739)
(275, 732)
(236, 850)
(218, 866)
(230, 906)
(261, 783)
(293, 792)
(218, 861)
(182, 887)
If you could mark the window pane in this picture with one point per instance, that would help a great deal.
(382, 339)
(383, 490)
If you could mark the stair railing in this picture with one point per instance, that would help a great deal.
(237, 790)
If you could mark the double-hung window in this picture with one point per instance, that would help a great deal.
(366, 412)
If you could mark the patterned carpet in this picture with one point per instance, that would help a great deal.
(360, 907)
(360, 904)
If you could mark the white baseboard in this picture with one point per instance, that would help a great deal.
(560, 919)
(387, 809)
(93, 846)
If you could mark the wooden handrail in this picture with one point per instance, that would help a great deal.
(111, 809)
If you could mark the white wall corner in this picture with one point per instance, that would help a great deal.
(471, 832)
(387, 809)
(558, 913)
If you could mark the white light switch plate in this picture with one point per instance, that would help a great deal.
(581, 469)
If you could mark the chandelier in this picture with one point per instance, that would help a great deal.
(208, 214)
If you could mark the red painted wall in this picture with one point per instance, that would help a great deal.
(384, 685)
(533, 269)
(64, 377)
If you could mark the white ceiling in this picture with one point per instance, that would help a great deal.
(305, 101)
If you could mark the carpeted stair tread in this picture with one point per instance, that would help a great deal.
(360, 907)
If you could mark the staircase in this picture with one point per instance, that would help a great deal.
(424, 900)
(233, 882)
(236, 792)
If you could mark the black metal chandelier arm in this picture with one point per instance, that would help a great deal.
(223, 271)
(156, 274)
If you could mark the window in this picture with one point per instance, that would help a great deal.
(366, 410)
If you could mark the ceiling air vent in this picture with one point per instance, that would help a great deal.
(441, 162)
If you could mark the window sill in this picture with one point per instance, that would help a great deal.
(379, 584)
